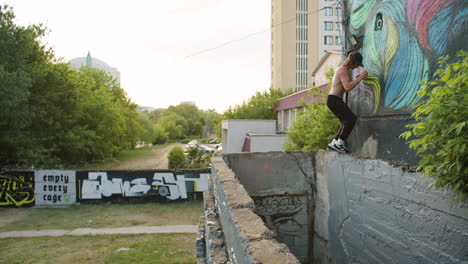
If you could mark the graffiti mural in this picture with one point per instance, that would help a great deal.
(55, 187)
(282, 214)
(401, 42)
(126, 184)
(17, 189)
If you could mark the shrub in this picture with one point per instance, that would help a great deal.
(176, 158)
(441, 129)
(196, 158)
(314, 127)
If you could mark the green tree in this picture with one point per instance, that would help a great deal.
(439, 134)
(314, 127)
(176, 158)
(21, 53)
(160, 136)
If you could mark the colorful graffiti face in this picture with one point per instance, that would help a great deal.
(401, 42)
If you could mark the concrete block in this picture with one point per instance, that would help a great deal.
(250, 225)
(271, 252)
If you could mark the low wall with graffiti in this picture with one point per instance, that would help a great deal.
(329, 207)
(401, 42)
(65, 187)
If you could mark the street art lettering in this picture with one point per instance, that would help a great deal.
(55, 187)
(16, 190)
(165, 184)
(402, 41)
(281, 214)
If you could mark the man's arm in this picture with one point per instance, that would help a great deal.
(345, 79)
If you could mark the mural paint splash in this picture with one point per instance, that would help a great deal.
(402, 41)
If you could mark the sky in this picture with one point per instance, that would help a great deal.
(156, 45)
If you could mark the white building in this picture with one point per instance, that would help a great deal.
(302, 32)
(88, 61)
(247, 135)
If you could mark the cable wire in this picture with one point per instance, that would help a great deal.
(256, 33)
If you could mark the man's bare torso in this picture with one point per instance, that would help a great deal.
(337, 86)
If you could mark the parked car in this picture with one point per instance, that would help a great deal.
(213, 141)
(219, 145)
(206, 149)
(193, 143)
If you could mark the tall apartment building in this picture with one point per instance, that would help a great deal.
(302, 31)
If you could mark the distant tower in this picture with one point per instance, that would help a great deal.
(89, 61)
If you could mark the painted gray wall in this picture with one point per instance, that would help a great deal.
(363, 211)
(280, 183)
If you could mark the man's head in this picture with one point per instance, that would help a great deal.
(354, 59)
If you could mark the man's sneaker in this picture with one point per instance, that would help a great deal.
(342, 146)
(338, 145)
(332, 145)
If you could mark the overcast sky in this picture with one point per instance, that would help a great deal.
(149, 42)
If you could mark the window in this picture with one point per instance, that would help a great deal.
(338, 26)
(328, 11)
(338, 40)
(328, 40)
(328, 26)
(338, 11)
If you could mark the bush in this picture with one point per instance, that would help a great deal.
(176, 158)
(313, 128)
(196, 158)
(441, 126)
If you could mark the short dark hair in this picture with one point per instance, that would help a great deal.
(356, 58)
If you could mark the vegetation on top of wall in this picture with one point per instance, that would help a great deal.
(441, 126)
(313, 128)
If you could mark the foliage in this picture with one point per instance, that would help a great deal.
(441, 127)
(176, 158)
(314, 127)
(53, 115)
(160, 136)
(196, 158)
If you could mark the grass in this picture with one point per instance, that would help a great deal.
(101, 215)
(126, 155)
(143, 249)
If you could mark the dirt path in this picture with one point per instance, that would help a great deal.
(157, 160)
(103, 231)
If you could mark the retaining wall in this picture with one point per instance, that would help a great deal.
(65, 187)
(356, 210)
(246, 238)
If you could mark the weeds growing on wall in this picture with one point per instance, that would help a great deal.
(440, 131)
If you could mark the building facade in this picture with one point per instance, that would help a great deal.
(89, 61)
(302, 32)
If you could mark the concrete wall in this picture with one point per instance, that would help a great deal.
(360, 210)
(266, 143)
(281, 185)
(401, 42)
(246, 238)
(234, 132)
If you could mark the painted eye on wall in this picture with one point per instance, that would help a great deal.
(378, 22)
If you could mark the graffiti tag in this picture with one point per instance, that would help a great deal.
(16, 190)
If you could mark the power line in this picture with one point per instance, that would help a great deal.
(252, 34)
